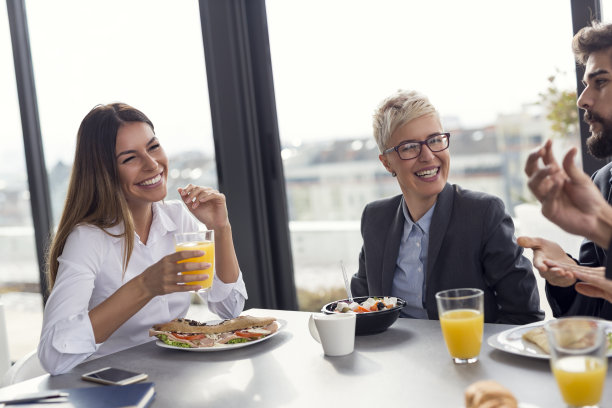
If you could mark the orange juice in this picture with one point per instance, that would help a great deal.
(580, 379)
(462, 330)
(209, 248)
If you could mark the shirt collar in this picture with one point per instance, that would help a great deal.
(425, 220)
(162, 224)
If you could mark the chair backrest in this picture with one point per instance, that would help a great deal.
(25, 368)
(5, 361)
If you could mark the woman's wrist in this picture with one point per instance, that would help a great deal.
(139, 289)
(225, 230)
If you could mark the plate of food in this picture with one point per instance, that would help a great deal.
(216, 335)
(530, 340)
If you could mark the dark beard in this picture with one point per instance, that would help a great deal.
(599, 144)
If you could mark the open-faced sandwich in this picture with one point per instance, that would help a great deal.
(189, 333)
(576, 335)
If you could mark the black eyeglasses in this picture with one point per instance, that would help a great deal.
(410, 149)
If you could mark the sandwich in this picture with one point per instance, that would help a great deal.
(576, 334)
(189, 333)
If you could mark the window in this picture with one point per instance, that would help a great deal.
(606, 10)
(85, 54)
(145, 53)
(19, 276)
(335, 61)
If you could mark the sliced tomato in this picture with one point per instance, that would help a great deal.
(244, 333)
(189, 336)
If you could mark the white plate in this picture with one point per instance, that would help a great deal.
(511, 341)
(224, 347)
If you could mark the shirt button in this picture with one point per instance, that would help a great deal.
(418, 244)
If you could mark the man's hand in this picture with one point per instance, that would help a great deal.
(568, 196)
(592, 280)
(546, 253)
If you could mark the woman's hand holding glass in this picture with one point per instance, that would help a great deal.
(164, 276)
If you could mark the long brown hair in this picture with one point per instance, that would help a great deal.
(94, 195)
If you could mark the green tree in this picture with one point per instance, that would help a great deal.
(560, 108)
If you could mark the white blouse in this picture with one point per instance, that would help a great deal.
(91, 269)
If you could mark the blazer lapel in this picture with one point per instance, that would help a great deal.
(439, 225)
(392, 244)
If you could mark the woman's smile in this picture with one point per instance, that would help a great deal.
(142, 164)
(428, 174)
(424, 176)
(152, 182)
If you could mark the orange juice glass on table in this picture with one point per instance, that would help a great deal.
(198, 241)
(578, 359)
(461, 313)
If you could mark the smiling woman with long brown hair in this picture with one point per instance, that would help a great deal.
(112, 267)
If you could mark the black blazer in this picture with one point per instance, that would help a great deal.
(568, 302)
(471, 245)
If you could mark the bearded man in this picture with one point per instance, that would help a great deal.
(561, 189)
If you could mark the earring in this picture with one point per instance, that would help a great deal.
(393, 174)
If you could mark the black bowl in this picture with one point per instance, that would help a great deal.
(373, 322)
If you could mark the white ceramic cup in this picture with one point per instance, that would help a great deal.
(335, 332)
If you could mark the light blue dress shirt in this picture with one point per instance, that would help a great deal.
(409, 275)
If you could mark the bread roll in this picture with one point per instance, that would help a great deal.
(489, 394)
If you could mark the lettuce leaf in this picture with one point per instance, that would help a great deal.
(169, 342)
(236, 341)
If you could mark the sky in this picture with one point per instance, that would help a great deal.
(333, 62)
(474, 59)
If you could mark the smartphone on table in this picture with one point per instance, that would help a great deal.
(114, 376)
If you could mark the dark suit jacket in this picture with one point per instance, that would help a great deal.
(471, 245)
(568, 302)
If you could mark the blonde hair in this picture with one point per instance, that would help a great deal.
(94, 194)
(397, 110)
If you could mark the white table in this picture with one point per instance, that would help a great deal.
(408, 365)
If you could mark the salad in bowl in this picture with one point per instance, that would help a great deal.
(374, 313)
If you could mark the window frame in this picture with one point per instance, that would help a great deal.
(40, 198)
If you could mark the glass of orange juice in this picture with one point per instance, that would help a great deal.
(198, 241)
(578, 359)
(462, 320)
